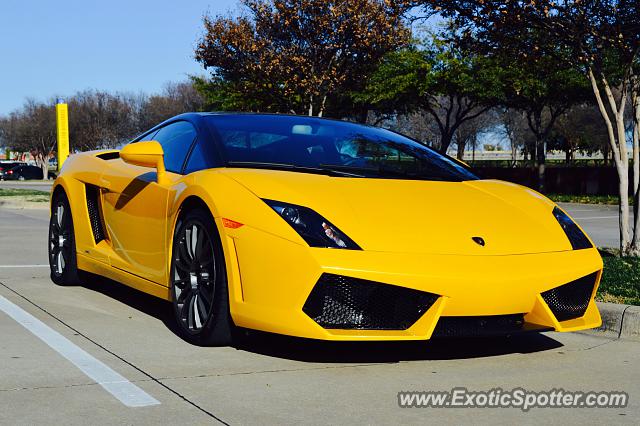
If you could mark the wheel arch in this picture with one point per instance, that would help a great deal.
(57, 189)
(202, 199)
(186, 204)
(191, 202)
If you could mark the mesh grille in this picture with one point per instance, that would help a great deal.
(93, 207)
(570, 301)
(493, 325)
(339, 302)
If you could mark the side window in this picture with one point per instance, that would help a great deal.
(176, 139)
(148, 137)
(199, 158)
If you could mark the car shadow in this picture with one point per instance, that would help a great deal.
(145, 303)
(310, 350)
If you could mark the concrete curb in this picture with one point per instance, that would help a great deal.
(618, 321)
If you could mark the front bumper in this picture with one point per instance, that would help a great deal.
(272, 279)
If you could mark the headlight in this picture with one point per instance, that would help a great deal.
(313, 228)
(576, 237)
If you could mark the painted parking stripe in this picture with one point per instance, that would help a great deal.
(595, 217)
(118, 386)
(24, 266)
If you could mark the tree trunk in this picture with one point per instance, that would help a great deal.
(43, 162)
(322, 105)
(541, 160)
(534, 119)
(473, 153)
(445, 142)
(569, 152)
(618, 144)
(635, 102)
(514, 148)
(460, 152)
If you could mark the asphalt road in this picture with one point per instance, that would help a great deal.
(264, 379)
(37, 185)
(599, 221)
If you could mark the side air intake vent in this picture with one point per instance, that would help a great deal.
(339, 302)
(93, 208)
(570, 301)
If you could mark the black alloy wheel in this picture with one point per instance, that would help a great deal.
(62, 247)
(198, 281)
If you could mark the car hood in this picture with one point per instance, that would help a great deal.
(416, 216)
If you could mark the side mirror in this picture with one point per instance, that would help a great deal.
(146, 154)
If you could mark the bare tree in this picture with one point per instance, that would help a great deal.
(31, 129)
(468, 132)
(100, 119)
(514, 124)
(176, 98)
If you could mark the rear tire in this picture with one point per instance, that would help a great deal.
(198, 280)
(62, 243)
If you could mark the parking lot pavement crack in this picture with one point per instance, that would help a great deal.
(73, 385)
(622, 321)
(282, 370)
(135, 367)
(588, 348)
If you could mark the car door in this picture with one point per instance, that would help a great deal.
(19, 171)
(35, 173)
(135, 205)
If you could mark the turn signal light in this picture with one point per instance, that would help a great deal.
(228, 223)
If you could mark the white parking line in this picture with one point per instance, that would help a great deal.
(596, 217)
(582, 210)
(118, 386)
(24, 266)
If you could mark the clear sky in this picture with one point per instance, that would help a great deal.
(52, 47)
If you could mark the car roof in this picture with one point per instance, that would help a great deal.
(197, 116)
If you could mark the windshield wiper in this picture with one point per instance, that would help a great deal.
(385, 172)
(379, 170)
(324, 170)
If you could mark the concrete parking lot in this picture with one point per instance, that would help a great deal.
(267, 379)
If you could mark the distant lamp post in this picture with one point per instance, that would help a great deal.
(62, 130)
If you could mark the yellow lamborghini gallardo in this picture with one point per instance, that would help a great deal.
(321, 229)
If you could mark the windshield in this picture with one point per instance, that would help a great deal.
(336, 147)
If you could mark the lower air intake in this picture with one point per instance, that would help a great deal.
(570, 301)
(480, 326)
(339, 302)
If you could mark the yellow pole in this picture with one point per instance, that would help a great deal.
(62, 129)
(7, 154)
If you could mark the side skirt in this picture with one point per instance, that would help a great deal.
(95, 267)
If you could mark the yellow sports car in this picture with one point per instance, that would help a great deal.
(318, 228)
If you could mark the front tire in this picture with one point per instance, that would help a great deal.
(62, 243)
(199, 290)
